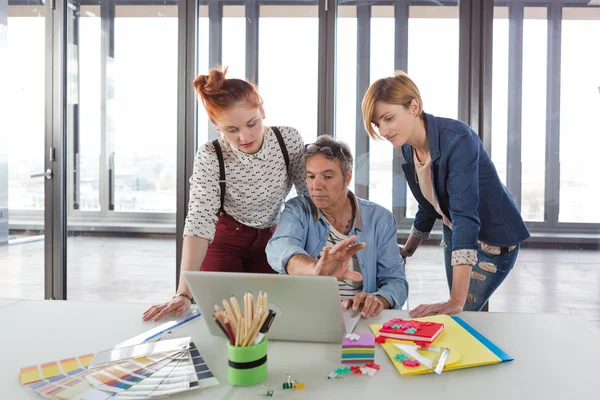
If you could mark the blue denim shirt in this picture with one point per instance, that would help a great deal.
(302, 229)
(467, 187)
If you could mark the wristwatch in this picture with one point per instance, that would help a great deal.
(187, 296)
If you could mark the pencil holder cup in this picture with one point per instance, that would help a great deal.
(247, 364)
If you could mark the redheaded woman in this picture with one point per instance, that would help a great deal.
(238, 186)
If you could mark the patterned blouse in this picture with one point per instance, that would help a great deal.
(256, 184)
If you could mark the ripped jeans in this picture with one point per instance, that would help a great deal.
(486, 276)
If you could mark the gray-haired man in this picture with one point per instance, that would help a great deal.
(335, 233)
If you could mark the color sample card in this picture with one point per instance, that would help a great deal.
(203, 373)
(144, 349)
(62, 387)
(53, 369)
(120, 377)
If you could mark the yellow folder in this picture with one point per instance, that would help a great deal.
(468, 348)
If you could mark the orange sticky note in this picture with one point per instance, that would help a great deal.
(50, 370)
(86, 360)
(69, 365)
(29, 375)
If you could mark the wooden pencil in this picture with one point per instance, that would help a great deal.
(253, 328)
(236, 307)
(230, 332)
(242, 331)
(238, 334)
(258, 303)
(247, 310)
(229, 310)
(251, 304)
(230, 315)
(219, 317)
(252, 336)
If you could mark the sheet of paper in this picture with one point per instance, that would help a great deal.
(157, 332)
(351, 318)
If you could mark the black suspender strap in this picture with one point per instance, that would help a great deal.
(221, 172)
(217, 147)
(284, 151)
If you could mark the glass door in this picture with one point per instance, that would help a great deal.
(24, 152)
(121, 145)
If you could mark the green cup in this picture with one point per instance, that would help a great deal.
(247, 364)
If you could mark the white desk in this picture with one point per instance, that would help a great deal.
(39, 331)
(5, 302)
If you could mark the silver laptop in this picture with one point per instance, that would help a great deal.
(308, 307)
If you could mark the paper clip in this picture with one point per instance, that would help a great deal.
(269, 392)
(292, 384)
(288, 384)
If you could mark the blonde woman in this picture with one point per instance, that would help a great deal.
(453, 179)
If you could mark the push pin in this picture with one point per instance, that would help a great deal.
(269, 392)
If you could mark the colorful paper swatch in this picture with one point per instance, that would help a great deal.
(52, 369)
(358, 348)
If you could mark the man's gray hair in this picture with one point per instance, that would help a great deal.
(332, 149)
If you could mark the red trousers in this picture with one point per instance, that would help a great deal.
(238, 248)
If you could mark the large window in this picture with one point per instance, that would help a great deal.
(22, 152)
(145, 108)
(287, 66)
(86, 161)
(23, 126)
(519, 106)
(368, 32)
(232, 54)
(545, 102)
(437, 82)
(579, 115)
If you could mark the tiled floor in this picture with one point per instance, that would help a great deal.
(142, 270)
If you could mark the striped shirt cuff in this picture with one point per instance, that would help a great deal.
(464, 256)
(418, 234)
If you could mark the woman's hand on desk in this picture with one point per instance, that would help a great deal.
(449, 307)
(179, 304)
(371, 304)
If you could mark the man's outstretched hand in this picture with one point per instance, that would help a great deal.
(335, 261)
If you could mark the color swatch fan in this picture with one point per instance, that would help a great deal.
(142, 371)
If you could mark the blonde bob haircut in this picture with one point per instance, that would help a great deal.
(398, 89)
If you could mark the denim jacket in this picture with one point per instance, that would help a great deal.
(304, 230)
(468, 189)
